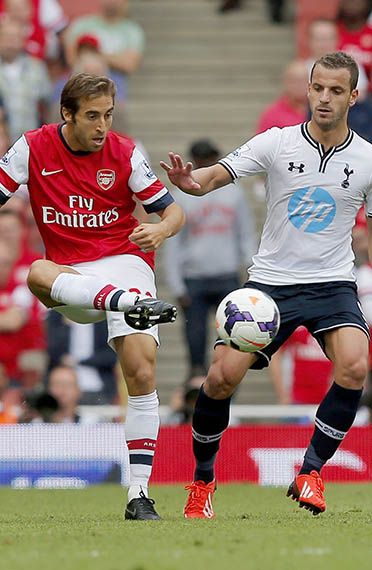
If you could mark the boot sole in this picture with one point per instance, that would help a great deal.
(145, 318)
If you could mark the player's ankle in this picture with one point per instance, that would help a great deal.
(126, 300)
(136, 491)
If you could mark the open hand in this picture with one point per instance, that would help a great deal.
(180, 174)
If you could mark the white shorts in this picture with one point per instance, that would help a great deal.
(128, 272)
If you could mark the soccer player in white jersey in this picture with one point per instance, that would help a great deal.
(82, 180)
(318, 175)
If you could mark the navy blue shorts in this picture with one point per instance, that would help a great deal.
(319, 307)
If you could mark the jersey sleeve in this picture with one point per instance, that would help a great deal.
(146, 186)
(14, 169)
(255, 156)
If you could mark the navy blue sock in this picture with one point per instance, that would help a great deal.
(211, 418)
(333, 420)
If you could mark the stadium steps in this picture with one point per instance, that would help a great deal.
(204, 74)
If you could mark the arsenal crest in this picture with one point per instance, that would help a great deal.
(105, 178)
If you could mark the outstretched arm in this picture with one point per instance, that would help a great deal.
(196, 182)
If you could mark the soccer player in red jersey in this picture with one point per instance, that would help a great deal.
(82, 181)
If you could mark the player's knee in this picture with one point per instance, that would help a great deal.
(41, 275)
(355, 372)
(142, 377)
(36, 275)
(219, 385)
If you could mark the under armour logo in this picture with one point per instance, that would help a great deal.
(293, 166)
(345, 183)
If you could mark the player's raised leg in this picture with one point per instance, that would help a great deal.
(57, 285)
(211, 418)
(347, 347)
(137, 355)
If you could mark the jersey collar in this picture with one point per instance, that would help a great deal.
(325, 155)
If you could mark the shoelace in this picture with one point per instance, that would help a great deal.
(319, 483)
(196, 493)
(195, 490)
(150, 502)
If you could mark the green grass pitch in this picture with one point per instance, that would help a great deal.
(255, 528)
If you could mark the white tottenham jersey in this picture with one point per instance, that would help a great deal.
(312, 198)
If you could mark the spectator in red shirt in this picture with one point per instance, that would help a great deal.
(14, 232)
(43, 21)
(290, 108)
(10, 401)
(22, 12)
(20, 312)
(13, 317)
(355, 33)
(323, 39)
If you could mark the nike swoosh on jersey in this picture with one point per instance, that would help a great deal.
(49, 172)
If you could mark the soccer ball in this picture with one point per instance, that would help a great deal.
(247, 319)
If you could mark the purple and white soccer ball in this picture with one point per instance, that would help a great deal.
(247, 319)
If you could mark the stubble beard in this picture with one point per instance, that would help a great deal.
(329, 125)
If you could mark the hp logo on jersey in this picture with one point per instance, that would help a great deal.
(311, 209)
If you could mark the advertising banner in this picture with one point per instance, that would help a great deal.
(72, 456)
(62, 456)
(263, 454)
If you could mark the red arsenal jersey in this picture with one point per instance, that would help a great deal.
(31, 335)
(358, 44)
(35, 40)
(83, 202)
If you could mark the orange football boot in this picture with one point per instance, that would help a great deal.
(308, 491)
(199, 502)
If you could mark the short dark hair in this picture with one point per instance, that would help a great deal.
(339, 60)
(84, 86)
(204, 149)
(343, 15)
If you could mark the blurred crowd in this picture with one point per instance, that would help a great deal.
(49, 365)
